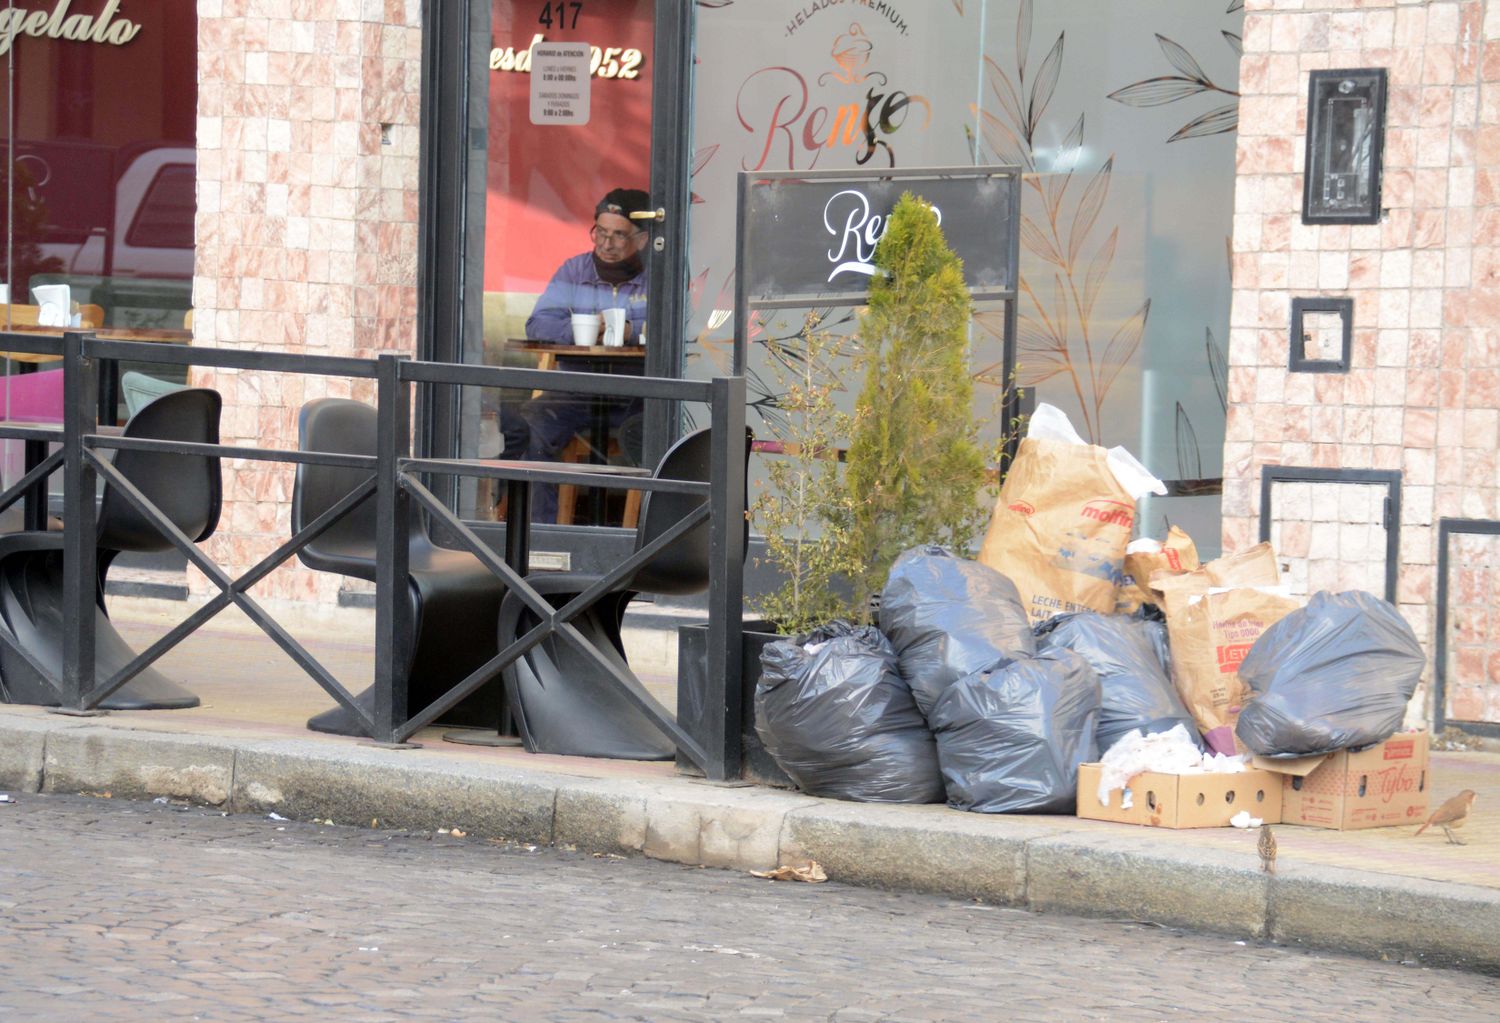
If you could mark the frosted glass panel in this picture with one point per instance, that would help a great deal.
(1122, 111)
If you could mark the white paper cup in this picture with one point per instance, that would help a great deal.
(614, 327)
(54, 304)
(585, 328)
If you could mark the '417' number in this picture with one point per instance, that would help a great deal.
(557, 14)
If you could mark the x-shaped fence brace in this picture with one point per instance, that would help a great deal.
(234, 590)
(553, 621)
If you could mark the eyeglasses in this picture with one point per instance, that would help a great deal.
(602, 236)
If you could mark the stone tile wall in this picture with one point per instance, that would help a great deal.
(1423, 393)
(306, 227)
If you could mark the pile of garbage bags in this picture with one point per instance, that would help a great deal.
(988, 682)
(835, 714)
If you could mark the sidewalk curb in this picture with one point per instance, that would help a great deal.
(1033, 863)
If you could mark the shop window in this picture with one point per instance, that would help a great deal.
(1127, 199)
(100, 179)
(568, 127)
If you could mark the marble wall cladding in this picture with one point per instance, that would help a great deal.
(306, 226)
(1473, 655)
(1423, 393)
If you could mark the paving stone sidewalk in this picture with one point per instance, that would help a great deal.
(116, 910)
(1382, 892)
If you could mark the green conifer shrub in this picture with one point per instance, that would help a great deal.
(915, 464)
(914, 467)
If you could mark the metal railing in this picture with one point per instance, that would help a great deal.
(397, 482)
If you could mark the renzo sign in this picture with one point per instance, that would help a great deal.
(104, 27)
(809, 237)
(806, 239)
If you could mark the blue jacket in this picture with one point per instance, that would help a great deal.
(576, 288)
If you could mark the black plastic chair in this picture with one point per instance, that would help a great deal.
(560, 699)
(187, 490)
(454, 598)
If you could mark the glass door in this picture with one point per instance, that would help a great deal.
(571, 217)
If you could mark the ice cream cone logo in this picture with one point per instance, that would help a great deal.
(851, 52)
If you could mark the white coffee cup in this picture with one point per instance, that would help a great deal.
(585, 328)
(614, 327)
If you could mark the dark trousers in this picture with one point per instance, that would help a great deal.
(538, 429)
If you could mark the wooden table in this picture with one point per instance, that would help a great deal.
(630, 359)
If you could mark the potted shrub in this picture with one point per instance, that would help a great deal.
(835, 520)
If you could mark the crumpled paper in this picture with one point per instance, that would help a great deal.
(809, 871)
(1169, 752)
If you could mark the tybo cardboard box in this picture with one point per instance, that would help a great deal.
(1183, 800)
(1382, 786)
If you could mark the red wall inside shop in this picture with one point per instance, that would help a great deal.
(544, 180)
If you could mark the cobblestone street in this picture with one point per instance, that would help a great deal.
(111, 910)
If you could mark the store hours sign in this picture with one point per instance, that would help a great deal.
(809, 237)
(560, 83)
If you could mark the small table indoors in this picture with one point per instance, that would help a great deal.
(619, 360)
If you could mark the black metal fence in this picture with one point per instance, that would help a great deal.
(398, 485)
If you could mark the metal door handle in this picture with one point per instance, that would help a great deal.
(659, 214)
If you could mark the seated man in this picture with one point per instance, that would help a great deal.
(611, 276)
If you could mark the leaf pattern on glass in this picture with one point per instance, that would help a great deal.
(1023, 36)
(1156, 92)
(999, 137)
(1060, 228)
(1218, 366)
(1182, 60)
(1044, 86)
(1191, 80)
(1088, 208)
(1004, 92)
(1221, 121)
(1097, 272)
(1234, 5)
(1122, 347)
(1035, 239)
(700, 160)
(1056, 183)
(1189, 458)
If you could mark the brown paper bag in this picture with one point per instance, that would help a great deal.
(1060, 528)
(1177, 555)
(1253, 566)
(1214, 616)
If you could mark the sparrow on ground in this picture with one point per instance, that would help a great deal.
(1451, 814)
(1267, 849)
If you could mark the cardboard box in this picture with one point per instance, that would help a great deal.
(1383, 786)
(1183, 800)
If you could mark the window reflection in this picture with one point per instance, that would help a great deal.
(97, 187)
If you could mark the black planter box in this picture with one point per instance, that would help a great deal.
(756, 764)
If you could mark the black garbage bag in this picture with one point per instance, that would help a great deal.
(1135, 684)
(947, 617)
(1334, 674)
(835, 714)
(1010, 738)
